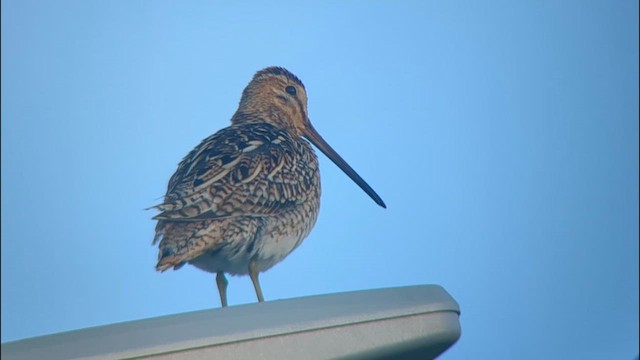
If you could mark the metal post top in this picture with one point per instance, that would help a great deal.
(383, 321)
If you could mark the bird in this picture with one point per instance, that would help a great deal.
(248, 195)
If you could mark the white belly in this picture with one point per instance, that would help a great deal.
(275, 238)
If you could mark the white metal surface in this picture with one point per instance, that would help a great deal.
(411, 322)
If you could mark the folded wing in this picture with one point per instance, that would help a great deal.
(241, 170)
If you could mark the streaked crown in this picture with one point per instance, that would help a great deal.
(277, 96)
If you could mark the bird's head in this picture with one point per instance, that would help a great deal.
(278, 97)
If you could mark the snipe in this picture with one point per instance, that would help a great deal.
(248, 195)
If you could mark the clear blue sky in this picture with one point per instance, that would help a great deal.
(502, 135)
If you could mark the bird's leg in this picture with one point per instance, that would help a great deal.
(253, 273)
(222, 283)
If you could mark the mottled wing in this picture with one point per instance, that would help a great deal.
(252, 169)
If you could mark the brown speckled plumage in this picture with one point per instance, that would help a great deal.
(249, 194)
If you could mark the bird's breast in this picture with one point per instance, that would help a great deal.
(269, 235)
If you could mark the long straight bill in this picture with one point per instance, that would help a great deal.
(319, 142)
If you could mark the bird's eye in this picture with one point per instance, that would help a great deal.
(291, 90)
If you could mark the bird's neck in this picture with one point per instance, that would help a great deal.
(262, 114)
(248, 117)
